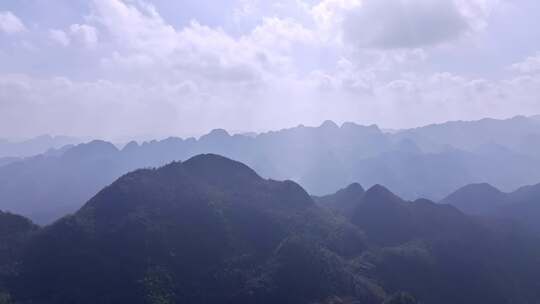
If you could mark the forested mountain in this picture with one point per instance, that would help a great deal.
(426, 162)
(522, 206)
(270, 152)
(15, 231)
(211, 230)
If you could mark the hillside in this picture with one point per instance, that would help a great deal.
(211, 230)
(521, 206)
(207, 230)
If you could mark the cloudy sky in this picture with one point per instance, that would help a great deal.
(154, 68)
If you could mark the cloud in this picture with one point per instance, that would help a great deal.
(10, 24)
(367, 61)
(203, 54)
(330, 12)
(136, 28)
(529, 65)
(85, 34)
(100, 108)
(391, 24)
(281, 33)
(82, 34)
(114, 108)
(60, 37)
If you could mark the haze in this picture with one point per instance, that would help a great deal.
(129, 69)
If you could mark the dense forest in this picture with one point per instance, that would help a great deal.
(211, 230)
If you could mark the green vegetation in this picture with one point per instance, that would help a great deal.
(210, 230)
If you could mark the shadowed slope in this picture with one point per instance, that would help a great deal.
(208, 230)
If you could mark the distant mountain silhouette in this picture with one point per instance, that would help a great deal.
(477, 199)
(522, 205)
(322, 159)
(390, 220)
(211, 230)
(412, 243)
(469, 135)
(34, 146)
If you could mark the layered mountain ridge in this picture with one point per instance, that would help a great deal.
(425, 162)
(211, 230)
(522, 206)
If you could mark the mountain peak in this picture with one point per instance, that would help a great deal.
(12, 223)
(477, 199)
(353, 127)
(216, 133)
(380, 194)
(213, 166)
(205, 177)
(344, 201)
(93, 148)
(355, 187)
(130, 146)
(483, 190)
(329, 124)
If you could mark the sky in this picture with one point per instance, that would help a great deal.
(157, 68)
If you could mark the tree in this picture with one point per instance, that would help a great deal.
(401, 298)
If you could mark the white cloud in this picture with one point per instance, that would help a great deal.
(136, 28)
(55, 105)
(209, 56)
(281, 34)
(477, 12)
(356, 60)
(529, 65)
(60, 37)
(328, 13)
(111, 108)
(10, 24)
(85, 34)
(82, 34)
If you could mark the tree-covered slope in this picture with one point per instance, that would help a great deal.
(208, 230)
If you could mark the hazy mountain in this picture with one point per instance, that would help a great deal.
(421, 247)
(210, 230)
(344, 201)
(47, 187)
(391, 220)
(50, 152)
(34, 146)
(522, 205)
(322, 159)
(477, 199)
(515, 133)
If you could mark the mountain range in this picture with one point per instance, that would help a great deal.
(33, 146)
(428, 162)
(521, 206)
(211, 230)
